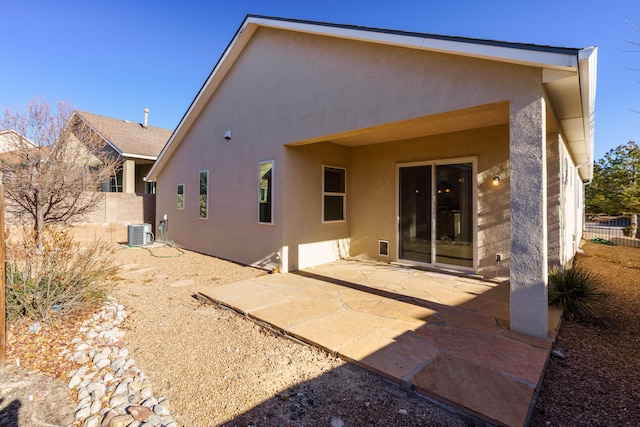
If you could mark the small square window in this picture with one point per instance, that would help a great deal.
(383, 247)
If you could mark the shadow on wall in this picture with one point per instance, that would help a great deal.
(271, 262)
(494, 218)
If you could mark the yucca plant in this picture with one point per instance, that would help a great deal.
(574, 289)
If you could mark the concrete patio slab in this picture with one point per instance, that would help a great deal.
(390, 355)
(445, 336)
(478, 390)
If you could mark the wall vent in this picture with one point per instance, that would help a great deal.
(383, 247)
(139, 234)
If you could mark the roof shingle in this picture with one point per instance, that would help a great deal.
(130, 139)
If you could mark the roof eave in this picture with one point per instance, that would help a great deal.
(547, 56)
(138, 156)
(538, 56)
(587, 67)
(226, 61)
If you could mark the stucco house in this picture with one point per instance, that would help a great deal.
(136, 145)
(127, 198)
(11, 140)
(310, 142)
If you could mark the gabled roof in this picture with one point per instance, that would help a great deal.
(128, 139)
(569, 74)
(8, 139)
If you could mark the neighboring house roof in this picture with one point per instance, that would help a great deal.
(17, 156)
(569, 74)
(128, 139)
(8, 140)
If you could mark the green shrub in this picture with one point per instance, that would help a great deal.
(627, 231)
(61, 276)
(573, 289)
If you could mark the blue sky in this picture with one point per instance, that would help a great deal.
(116, 57)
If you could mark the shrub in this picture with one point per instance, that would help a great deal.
(573, 289)
(627, 231)
(59, 275)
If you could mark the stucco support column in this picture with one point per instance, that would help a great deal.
(129, 176)
(527, 153)
(555, 203)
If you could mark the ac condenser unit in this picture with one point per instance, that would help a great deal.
(139, 234)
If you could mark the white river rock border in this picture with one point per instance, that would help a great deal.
(111, 390)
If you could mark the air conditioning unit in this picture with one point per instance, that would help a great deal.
(139, 234)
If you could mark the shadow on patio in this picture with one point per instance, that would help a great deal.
(444, 336)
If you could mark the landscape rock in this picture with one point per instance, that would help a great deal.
(96, 406)
(103, 362)
(161, 410)
(121, 420)
(75, 380)
(154, 420)
(139, 413)
(82, 413)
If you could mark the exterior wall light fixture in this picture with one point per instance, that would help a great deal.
(227, 135)
(496, 181)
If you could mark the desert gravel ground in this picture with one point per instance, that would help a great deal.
(598, 383)
(218, 368)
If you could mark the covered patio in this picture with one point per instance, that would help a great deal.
(446, 336)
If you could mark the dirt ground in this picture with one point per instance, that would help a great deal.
(218, 368)
(597, 383)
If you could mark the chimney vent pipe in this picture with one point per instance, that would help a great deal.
(146, 118)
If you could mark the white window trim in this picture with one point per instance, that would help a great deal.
(273, 166)
(200, 195)
(344, 195)
(183, 198)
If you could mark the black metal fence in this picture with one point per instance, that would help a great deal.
(611, 229)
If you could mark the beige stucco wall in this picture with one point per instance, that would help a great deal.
(555, 202)
(565, 195)
(374, 191)
(141, 171)
(286, 88)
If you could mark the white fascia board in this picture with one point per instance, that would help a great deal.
(532, 57)
(588, 59)
(138, 156)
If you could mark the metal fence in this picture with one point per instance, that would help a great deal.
(611, 229)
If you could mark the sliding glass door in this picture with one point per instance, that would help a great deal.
(436, 213)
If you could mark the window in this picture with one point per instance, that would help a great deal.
(265, 192)
(116, 183)
(334, 194)
(204, 183)
(150, 187)
(180, 197)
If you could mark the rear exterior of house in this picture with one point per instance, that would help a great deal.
(311, 142)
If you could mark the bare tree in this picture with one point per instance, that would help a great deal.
(55, 167)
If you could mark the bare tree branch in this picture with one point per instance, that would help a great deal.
(55, 166)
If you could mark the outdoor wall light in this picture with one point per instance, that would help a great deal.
(496, 181)
(227, 135)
